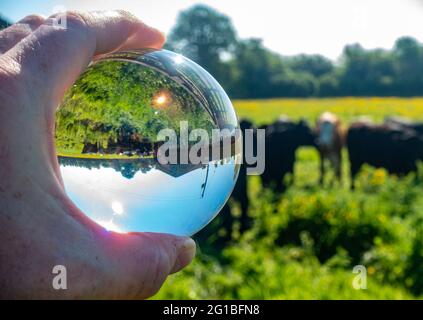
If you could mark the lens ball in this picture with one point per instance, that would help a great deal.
(148, 141)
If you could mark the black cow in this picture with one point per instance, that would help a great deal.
(383, 146)
(283, 138)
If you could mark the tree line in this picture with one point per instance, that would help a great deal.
(247, 69)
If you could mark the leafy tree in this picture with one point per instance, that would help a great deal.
(366, 72)
(408, 56)
(256, 69)
(261, 73)
(315, 64)
(3, 23)
(205, 36)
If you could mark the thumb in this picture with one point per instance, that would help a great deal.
(142, 261)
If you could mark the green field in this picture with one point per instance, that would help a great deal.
(305, 244)
(265, 111)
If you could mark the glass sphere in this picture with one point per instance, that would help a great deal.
(142, 142)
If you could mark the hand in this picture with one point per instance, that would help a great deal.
(40, 227)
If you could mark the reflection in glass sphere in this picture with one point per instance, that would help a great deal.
(111, 153)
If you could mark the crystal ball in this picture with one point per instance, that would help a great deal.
(148, 141)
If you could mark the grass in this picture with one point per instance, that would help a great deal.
(305, 243)
(265, 111)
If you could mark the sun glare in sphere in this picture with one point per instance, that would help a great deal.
(178, 59)
(117, 208)
(161, 99)
(110, 226)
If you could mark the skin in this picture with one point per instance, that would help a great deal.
(40, 227)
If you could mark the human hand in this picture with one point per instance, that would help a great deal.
(40, 227)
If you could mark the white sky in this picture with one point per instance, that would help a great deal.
(287, 26)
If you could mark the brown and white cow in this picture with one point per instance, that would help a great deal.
(330, 140)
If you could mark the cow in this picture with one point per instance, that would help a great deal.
(383, 146)
(282, 141)
(329, 140)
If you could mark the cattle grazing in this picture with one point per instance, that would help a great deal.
(383, 146)
(330, 140)
(283, 138)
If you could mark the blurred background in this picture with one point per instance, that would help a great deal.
(285, 64)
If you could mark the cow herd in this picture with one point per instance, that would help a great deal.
(396, 145)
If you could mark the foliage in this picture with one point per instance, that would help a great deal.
(204, 35)
(115, 99)
(4, 23)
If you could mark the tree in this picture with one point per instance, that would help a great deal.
(409, 66)
(261, 73)
(254, 68)
(315, 64)
(4, 23)
(366, 72)
(204, 35)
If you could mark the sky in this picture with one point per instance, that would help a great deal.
(286, 26)
(152, 201)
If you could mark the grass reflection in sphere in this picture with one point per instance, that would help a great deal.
(108, 144)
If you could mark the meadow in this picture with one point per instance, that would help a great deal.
(305, 243)
(265, 111)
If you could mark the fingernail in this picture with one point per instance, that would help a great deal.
(32, 22)
(158, 38)
(186, 252)
(162, 34)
